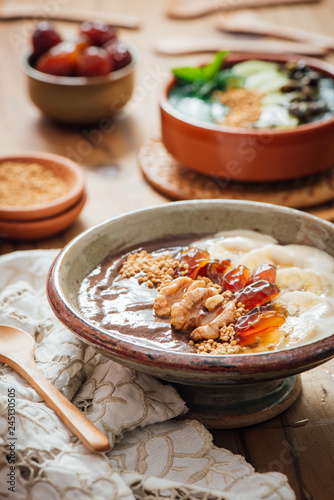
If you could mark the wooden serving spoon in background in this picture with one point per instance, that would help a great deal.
(188, 9)
(188, 45)
(17, 351)
(250, 22)
(16, 12)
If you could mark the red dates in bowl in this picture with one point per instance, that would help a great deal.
(95, 51)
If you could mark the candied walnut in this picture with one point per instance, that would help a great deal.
(214, 301)
(212, 329)
(210, 314)
(170, 294)
(186, 314)
(197, 284)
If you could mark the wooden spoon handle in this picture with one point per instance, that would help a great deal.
(66, 411)
(184, 45)
(188, 9)
(249, 22)
(19, 11)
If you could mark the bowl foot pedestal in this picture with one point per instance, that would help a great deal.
(228, 407)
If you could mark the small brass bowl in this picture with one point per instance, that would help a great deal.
(78, 100)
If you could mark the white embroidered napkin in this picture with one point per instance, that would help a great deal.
(153, 456)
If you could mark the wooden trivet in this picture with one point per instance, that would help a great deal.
(313, 193)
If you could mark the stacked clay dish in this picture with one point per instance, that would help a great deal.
(41, 194)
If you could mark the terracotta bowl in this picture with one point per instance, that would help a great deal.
(221, 391)
(80, 100)
(64, 168)
(249, 155)
(38, 229)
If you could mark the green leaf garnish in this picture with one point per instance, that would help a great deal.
(201, 73)
(212, 69)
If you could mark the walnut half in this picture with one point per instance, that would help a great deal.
(212, 329)
(186, 315)
(170, 294)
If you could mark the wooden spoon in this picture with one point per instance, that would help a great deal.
(251, 22)
(14, 12)
(188, 9)
(189, 45)
(17, 350)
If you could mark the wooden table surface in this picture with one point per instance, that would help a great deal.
(299, 442)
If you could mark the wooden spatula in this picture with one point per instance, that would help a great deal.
(251, 22)
(187, 9)
(189, 45)
(12, 12)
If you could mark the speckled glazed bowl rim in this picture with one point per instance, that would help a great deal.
(51, 208)
(79, 81)
(235, 57)
(256, 366)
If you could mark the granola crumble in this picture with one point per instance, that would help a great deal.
(157, 271)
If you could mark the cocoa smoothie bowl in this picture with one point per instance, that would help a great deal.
(228, 300)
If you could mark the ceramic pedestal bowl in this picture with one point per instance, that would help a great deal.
(247, 154)
(221, 391)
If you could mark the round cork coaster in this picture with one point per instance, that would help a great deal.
(313, 193)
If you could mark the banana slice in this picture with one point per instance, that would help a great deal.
(278, 255)
(300, 331)
(234, 244)
(298, 302)
(310, 317)
(256, 258)
(295, 279)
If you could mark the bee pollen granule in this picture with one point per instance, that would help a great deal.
(24, 184)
